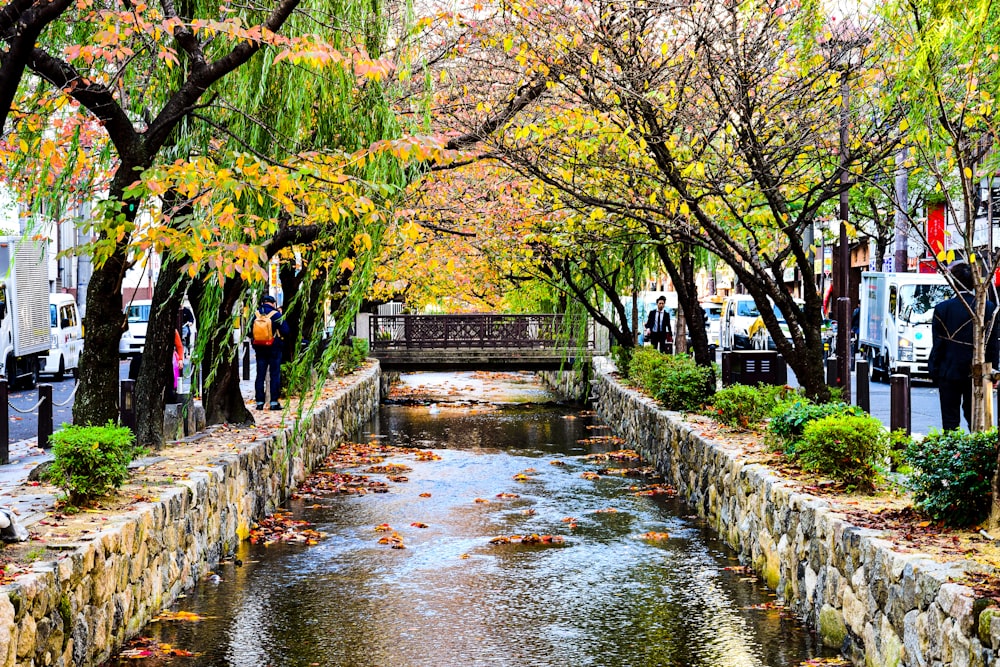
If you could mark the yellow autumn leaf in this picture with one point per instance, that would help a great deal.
(595, 56)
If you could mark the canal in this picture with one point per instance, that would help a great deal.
(442, 568)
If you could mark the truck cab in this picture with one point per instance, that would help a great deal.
(894, 328)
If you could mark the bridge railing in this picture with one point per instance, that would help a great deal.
(478, 331)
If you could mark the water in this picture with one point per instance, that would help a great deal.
(604, 597)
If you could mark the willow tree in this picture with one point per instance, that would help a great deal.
(299, 125)
(112, 63)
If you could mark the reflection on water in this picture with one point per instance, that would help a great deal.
(604, 597)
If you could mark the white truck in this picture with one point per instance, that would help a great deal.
(25, 336)
(894, 325)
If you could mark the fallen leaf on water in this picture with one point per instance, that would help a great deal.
(590, 475)
(521, 477)
(606, 510)
(419, 524)
(481, 501)
(425, 495)
(528, 512)
(383, 528)
(557, 463)
(184, 616)
(655, 536)
(508, 495)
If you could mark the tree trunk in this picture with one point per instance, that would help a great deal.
(682, 275)
(221, 396)
(157, 356)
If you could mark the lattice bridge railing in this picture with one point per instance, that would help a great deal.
(479, 331)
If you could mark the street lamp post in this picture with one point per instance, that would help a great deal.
(843, 275)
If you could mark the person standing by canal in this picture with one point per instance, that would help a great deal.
(950, 361)
(658, 331)
(266, 334)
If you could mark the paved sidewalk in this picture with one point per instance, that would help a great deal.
(25, 456)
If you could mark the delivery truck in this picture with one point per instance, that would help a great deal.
(25, 337)
(894, 324)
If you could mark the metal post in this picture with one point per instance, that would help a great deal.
(4, 424)
(899, 402)
(126, 406)
(844, 274)
(862, 396)
(246, 361)
(831, 371)
(44, 414)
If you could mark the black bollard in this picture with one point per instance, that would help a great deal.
(899, 402)
(44, 415)
(246, 361)
(831, 371)
(5, 426)
(862, 395)
(126, 404)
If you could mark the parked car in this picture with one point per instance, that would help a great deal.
(738, 313)
(713, 311)
(134, 337)
(67, 336)
(760, 337)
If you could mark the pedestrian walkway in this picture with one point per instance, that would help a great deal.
(26, 455)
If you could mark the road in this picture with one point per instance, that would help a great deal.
(24, 426)
(925, 410)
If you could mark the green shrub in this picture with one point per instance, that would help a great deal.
(953, 471)
(847, 448)
(743, 406)
(790, 422)
(91, 461)
(622, 357)
(348, 358)
(899, 442)
(676, 380)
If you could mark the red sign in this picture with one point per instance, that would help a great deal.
(935, 228)
(927, 266)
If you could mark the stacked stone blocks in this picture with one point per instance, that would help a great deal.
(76, 610)
(879, 606)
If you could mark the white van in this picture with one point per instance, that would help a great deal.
(67, 336)
(738, 313)
(133, 339)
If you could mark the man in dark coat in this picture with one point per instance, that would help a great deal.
(268, 353)
(658, 326)
(950, 362)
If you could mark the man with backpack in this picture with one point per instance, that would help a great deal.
(266, 333)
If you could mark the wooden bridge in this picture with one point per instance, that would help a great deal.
(477, 342)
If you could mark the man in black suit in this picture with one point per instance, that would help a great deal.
(950, 362)
(658, 326)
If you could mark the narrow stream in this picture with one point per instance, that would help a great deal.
(605, 596)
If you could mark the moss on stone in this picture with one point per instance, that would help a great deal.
(832, 628)
(985, 617)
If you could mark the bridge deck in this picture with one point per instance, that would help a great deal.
(482, 341)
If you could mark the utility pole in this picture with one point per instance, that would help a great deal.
(900, 257)
(844, 272)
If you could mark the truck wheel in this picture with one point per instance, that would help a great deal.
(31, 379)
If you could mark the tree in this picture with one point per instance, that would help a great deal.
(714, 125)
(945, 74)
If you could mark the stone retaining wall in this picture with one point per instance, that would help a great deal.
(78, 609)
(880, 607)
(572, 384)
